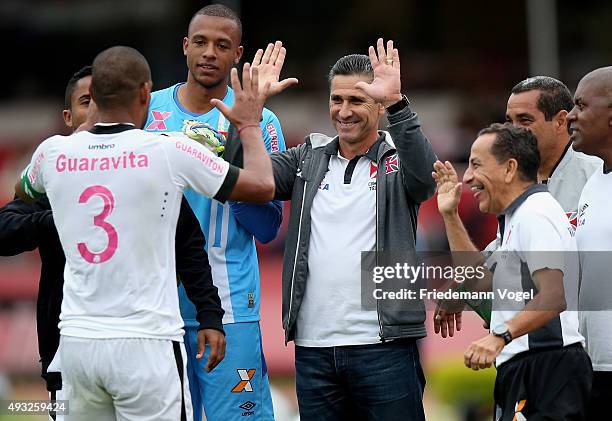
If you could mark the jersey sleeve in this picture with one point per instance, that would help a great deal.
(272, 133)
(193, 165)
(263, 221)
(541, 244)
(32, 177)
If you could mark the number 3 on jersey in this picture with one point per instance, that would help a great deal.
(99, 221)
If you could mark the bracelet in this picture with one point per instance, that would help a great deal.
(246, 126)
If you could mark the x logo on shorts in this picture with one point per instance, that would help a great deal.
(244, 385)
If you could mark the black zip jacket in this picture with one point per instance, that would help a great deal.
(400, 189)
(24, 227)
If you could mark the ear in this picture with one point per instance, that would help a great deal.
(560, 120)
(185, 45)
(145, 93)
(511, 170)
(67, 115)
(238, 56)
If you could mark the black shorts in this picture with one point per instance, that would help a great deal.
(601, 395)
(551, 384)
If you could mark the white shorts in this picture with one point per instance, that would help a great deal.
(124, 379)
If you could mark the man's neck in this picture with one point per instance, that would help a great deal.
(550, 160)
(119, 116)
(196, 98)
(607, 161)
(514, 191)
(351, 150)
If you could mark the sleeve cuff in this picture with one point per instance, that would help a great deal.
(210, 320)
(402, 115)
(26, 186)
(228, 184)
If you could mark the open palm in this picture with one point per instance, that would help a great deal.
(269, 64)
(386, 86)
(448, 185)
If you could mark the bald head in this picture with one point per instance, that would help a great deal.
(118, 75)
(600, 81)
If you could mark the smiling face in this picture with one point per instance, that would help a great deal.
(354, 114)
(212, 48)
(590, 120)
(522, 110)
(486, 177)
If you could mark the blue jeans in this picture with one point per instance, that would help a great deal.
(364, 382)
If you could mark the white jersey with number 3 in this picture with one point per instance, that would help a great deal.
(116, 198)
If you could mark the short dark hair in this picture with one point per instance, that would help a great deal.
(554, 95)
(353, 64)
(117, 75)
(78, 75)
(515, 142)
(219, 11)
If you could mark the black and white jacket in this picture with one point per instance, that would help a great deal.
(404, 159)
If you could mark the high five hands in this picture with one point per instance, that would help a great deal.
(448, 187)
(260, 81)
(386, 86)
(270, 63)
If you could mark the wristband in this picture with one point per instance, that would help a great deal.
(246, 127)
(399, 105)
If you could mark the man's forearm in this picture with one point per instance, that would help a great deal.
(262, 221)
(256, 157)
(256, 179)
(535, 315)
(20, 226)
(415, 153)
(467, 253)
(458, 237)
(545, 306)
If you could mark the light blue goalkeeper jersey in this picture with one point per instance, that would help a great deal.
(230, 247)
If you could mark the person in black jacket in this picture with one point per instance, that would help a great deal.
(25, 227)
(358, 191)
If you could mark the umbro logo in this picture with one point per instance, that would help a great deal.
(102, 146)
(247, 406)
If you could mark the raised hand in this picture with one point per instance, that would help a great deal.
(386, 86)
(270, 63)
(448, 186)
(249, 98)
